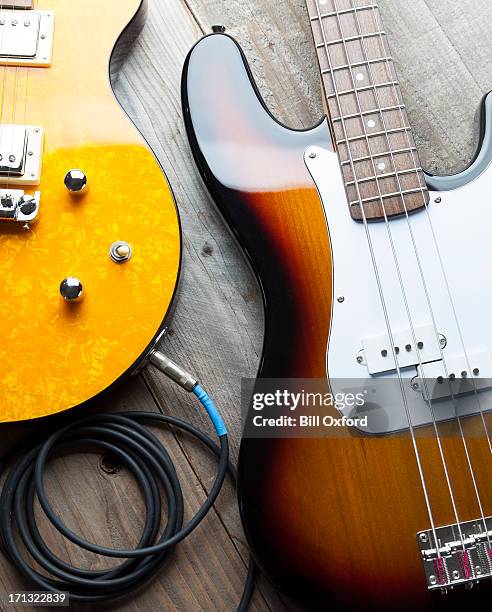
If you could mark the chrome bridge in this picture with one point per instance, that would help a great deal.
(18, 206)
(458, 558)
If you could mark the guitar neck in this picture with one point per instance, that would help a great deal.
(379, 160)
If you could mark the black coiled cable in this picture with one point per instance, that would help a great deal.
(123, 435)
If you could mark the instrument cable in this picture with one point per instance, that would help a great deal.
(126, 436)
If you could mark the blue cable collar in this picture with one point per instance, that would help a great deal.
(211, 408)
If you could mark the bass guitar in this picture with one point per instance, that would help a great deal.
(374, 277)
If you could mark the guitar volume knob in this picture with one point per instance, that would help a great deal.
(71, 289)
(76, 182)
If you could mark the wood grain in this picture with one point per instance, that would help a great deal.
(217, 329)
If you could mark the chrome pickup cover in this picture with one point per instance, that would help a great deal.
(18, 4)
(26, 38)
(17, 206)
(457, 560)
(21, 152)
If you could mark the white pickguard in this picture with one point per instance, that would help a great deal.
(461, 225)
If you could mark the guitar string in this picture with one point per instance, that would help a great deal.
(397, 265)
(14, 94)
(385, 51)
(422, 275)
(11, 44)
(28, 73)
(24, 13)
(382, 298)
(448, 288)
(25, 23)
(3, 43)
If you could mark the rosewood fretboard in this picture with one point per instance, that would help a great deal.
(377, 152)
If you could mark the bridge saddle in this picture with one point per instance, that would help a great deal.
(462, 555)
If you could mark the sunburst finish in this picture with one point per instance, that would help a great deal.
(331, 521)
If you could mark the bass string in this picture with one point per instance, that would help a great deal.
(422, 275)
(429, 402)
(398, 270)
(381, 293)
(455, 316)
(448, 288)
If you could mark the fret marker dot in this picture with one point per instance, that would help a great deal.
(381, 166)
(359, 76)
(371, 123)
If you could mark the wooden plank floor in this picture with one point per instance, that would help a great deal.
(442, 49)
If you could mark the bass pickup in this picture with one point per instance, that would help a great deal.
(455, 376)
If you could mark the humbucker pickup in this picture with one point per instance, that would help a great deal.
(21, 154)
(26, 37)
(18, 4)
(461, 556)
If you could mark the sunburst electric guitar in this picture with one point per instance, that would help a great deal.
(374, 273)
(89, 233)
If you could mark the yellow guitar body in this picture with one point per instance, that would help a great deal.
(54, 353)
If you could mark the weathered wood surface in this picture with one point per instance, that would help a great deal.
(442, 50)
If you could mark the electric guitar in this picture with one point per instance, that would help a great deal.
(89, 232)
(374, 273)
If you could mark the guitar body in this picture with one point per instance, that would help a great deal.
(58, 354)
(332, 521)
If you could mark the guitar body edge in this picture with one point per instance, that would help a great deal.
(73, 352)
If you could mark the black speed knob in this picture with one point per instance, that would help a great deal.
(76, 182)
(71, 289)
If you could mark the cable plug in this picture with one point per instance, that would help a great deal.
(183, 378)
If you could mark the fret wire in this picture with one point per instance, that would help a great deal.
(370, 135)
(378, 60)
(412, 150)
(369, 112)
(385, 195)
(344, 12)
(350, 39)
(356, 91)
(365, 88)
(371, 76)
(376, 155)
(374, 86)
(382, 176)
